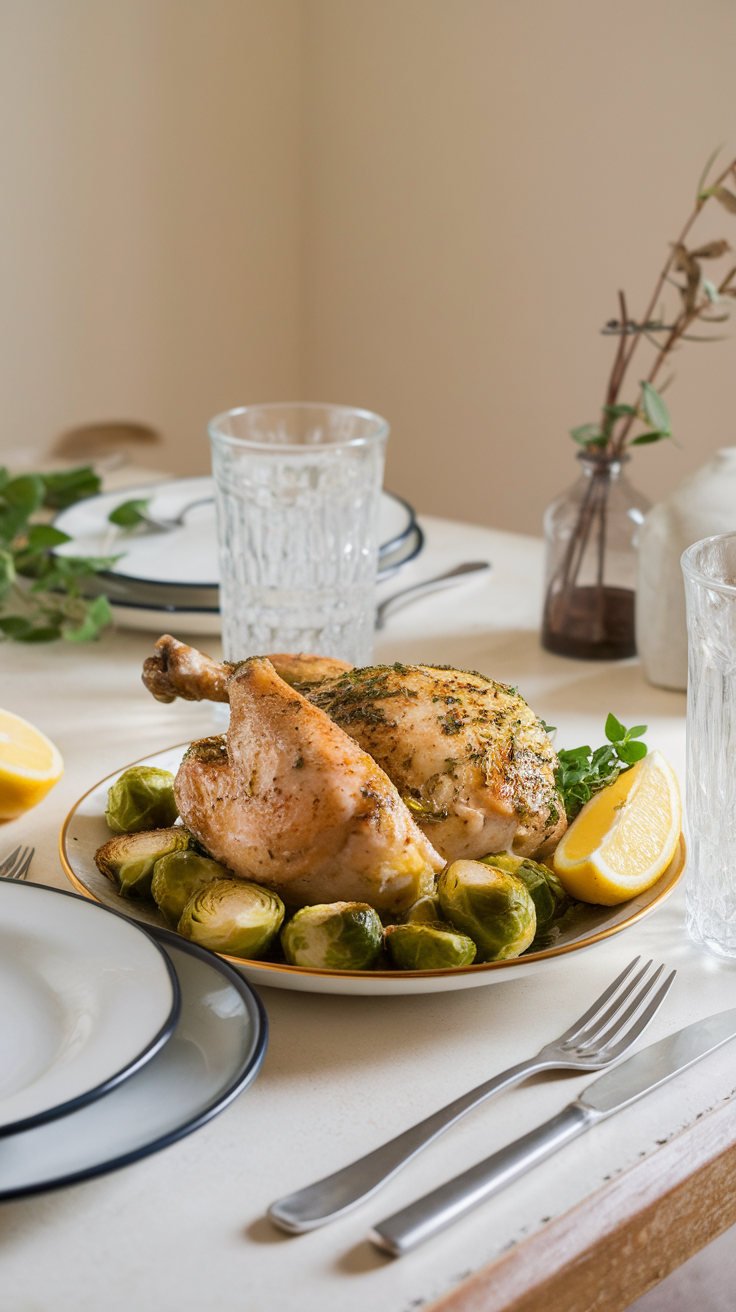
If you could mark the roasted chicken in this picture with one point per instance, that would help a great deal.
(290, 801)
(469, 758)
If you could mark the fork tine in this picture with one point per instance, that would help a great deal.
(598, 1005)
(640, 1025)
(592, 1031)
(599, 1041)
(9, 862)
(25, 863)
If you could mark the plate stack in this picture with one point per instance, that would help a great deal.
(164, 573)
(113, 1042)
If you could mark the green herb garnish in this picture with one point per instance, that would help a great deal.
(40, 593)
(130, 514)
(583, 772)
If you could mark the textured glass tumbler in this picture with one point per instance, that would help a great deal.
(709, 568)
(297, 489)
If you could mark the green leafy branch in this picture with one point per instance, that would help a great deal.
(698, 296)
(41, 596)
(582, 772)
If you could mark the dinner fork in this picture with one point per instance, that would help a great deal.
(596, 1040)
(17, 865)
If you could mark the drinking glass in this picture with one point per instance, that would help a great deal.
(297, 489)
(709, 568)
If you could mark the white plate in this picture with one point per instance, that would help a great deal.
(216, 1050)
(85, 830)
(86, 1001)
(187, 556)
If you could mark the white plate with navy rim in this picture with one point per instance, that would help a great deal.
(187, 556)
(216, 1050)
(85, 829)
(85, 1002)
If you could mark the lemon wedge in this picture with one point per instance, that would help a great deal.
(29, 765)
(624, 837)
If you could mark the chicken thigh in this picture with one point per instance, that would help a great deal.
(292, 802)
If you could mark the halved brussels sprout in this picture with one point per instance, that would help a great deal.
(427, 911)
(333, 936)
(177, 877)
(428, 946)
(545, 888)
(492, 907)
(233, 916)
(142, 798)
(129, 858)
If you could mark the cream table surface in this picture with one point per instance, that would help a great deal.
(185, 1228)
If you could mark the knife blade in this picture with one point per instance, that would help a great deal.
(618, 1088)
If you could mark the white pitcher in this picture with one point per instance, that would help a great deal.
(703, 505)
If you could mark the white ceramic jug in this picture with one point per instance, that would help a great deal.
(703, 505)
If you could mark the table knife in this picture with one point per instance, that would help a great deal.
(610, 1093)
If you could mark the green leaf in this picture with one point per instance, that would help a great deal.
(615, 732)
(44, 633)
(711, 291)
(618, 410)
(631, 752)
(637, 731)
(588, 435)
(15, 626)
(7, 573)
(98, 616)
(655, 410)
(69, 485)
(42, 536)
(24, 493)
(129, 514)
(645, 438)
(711, 161)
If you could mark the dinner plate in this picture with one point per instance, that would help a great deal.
(216, 1050)
(87, 1000)
(85, 830)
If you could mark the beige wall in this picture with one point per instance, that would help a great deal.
(421, 206)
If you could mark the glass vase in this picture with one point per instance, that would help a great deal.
(590, 533)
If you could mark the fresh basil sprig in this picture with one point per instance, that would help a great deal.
(582, 772)
(40, 593)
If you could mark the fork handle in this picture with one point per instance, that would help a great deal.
(329, 1198)
(437, 1210)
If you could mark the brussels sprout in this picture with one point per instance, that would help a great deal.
(492, 907)
(233, 916)
(545, 888)
(426, 911)
(333, 936)
(129, 858)
(427, 946)
(177, 877)
(142, 798)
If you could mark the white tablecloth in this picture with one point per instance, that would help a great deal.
(185, 1229)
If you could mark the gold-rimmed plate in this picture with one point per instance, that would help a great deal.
(85, 829)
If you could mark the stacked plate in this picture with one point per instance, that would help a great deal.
(175, 572)
(113, 1043)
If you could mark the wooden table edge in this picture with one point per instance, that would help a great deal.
(619, 1242)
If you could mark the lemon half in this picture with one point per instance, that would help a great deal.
(30, 765)
(624, 837)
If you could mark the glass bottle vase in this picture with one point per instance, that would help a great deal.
(590, 535)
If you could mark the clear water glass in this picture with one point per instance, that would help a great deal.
(709, 568)
(297, 490)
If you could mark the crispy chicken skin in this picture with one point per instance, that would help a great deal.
(467, 755)
(292, 802)
(177, 670)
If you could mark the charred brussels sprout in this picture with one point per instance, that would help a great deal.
(427, 911)
(492, 907)
(177, 877)
(129, 858)
(333, 936)
(546, 891)
(233, 916)
(422, 945)
(142, 798)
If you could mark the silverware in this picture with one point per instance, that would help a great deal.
(631, 1080)
(596, 1039)
(17, 865)
(166, 525)
(446, 580)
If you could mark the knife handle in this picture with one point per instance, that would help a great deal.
(421, 1220)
